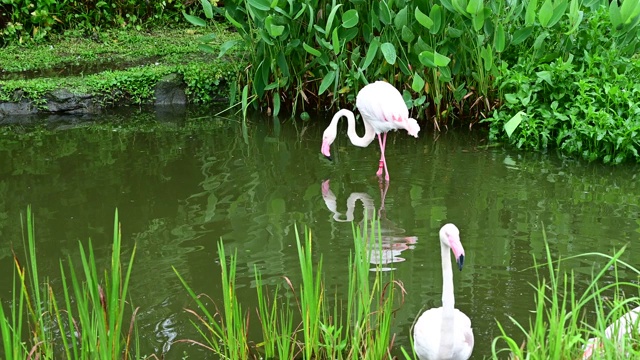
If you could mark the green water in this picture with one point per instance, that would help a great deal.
(182, 181)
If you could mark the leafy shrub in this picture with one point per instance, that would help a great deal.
(580, 93)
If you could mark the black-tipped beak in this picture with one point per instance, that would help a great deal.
(329, 158)
(460, 262)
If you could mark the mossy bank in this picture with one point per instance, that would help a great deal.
(85, 73)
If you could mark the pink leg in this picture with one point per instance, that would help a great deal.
(383, 161)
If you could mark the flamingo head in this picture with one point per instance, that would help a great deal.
(450, 237)
(328, 137)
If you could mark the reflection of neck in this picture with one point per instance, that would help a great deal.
(367, 203)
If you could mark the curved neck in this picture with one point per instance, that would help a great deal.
(448, 300)
(369, 133)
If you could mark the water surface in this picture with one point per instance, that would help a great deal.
(183, 181)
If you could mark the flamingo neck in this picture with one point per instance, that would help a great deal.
(448, 300)
(369, 133)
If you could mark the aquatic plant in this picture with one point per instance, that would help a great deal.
(87, 321)
(565, 318)
(357, 329)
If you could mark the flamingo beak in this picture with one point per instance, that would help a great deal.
(325, 150)
(460, 261)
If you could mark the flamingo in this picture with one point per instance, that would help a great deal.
(445, 332)
(625, 326)
(382, 109)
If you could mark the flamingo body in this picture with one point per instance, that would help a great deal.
(382, 109)
(627, 326)
(445, 333)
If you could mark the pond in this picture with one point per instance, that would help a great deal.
(181, 181)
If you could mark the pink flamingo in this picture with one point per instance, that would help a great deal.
(445, 332)
(382, 109)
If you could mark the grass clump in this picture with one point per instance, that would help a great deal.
(87, 321)
(560, 327)
(312, 326)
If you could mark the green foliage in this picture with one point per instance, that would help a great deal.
(578, 93)
(314, 53)
(26, 20)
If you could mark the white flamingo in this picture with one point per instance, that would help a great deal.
(445, 333)
(382, 109)
(626, 326)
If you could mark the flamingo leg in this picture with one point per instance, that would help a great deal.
(382, 140)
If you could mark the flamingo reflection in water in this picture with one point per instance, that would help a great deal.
(392, 243)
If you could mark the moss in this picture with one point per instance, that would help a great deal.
(145, 59)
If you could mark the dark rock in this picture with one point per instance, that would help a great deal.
(170, 90)
(64, 101)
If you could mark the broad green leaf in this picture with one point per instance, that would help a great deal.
(335, 41)
(347, 35)
(475, 6)
(263, 5)
(276, 103)
(206, 48)
(404, 67)
(282, 64)
(400, 20)
(546, 76)
(371, 53)
(628, 10)
(477, 20)
(511, 98)
(423, 19)
(326, 82)
(233, 21)
(445, 74)
(511, 125)
(332, 15)
(433, 59)
(461, 7)
(559, 8)
(537, 44)
(385, 14)
(499, 38)
(545, 13)
(226, 46)
(194, 19)
(407, 35)
(207, 38)
(273, 30)
(530, 15)
(311, 50)
(389, 52)
(245, 100)
(436, 16)
(350, 18)
(418, 83)
(487, 58)
(454, 33)
(208, 10)
(522, 34)
(614, 14)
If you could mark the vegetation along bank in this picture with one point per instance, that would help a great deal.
(540, 74)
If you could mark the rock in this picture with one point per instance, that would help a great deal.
(170, 90)
(64, 101)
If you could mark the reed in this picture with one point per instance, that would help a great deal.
(324, 328)
(89, 320)
(560, 328)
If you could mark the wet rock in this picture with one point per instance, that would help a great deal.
(64, 101)
(18, 105)
(170, 90)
